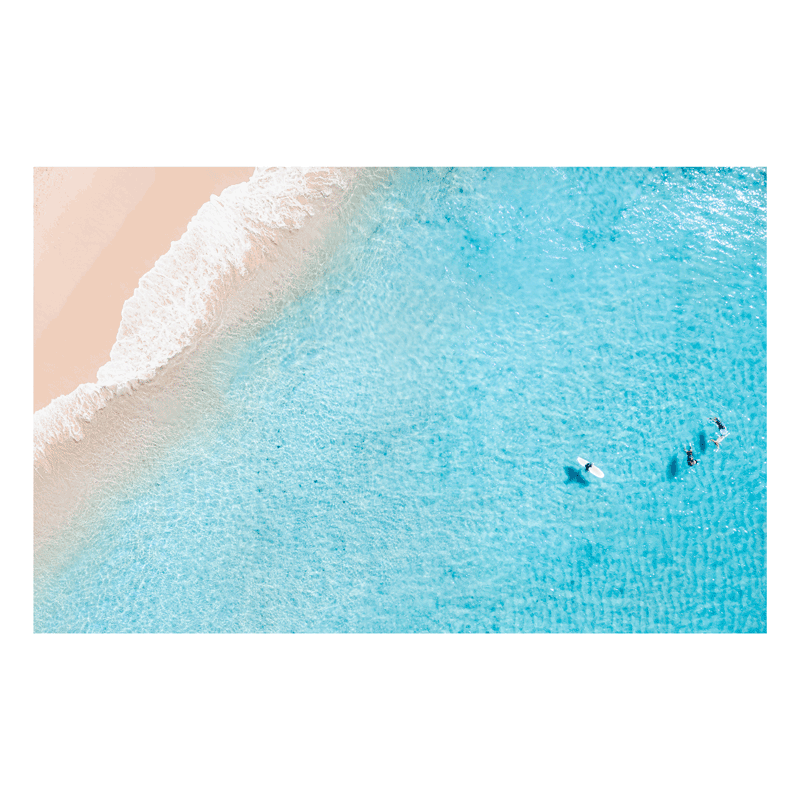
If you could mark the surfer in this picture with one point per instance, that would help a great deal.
(690, 459)
(723, 431)
(589, 466)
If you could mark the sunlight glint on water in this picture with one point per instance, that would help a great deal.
(399, 449)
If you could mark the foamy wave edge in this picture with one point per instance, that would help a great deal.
(181, 297)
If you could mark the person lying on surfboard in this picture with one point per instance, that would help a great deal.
(590, 466)
(690, 459)
(723, 431)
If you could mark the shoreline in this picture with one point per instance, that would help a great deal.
(97, 232)
(244, 255)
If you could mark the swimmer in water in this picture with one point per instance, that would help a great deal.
(723, 431)
(690, 459)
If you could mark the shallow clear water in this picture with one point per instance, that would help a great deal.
(398, 452)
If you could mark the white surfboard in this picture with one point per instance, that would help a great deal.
(593, 469)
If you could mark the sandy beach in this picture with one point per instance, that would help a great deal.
(222, 265)
(97, 231)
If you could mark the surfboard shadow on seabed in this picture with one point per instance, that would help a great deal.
(672, 467)
(575, 476)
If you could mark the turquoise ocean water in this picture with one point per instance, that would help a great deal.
(397, 451)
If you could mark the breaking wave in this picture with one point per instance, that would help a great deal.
(256, 234)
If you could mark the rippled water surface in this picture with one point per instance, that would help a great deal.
(398, 451)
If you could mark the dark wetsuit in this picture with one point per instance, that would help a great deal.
(588, 466)
(690, 459)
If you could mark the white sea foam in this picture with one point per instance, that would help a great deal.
(238, 237)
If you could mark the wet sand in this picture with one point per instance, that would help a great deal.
(88, 445)
(96, 233)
